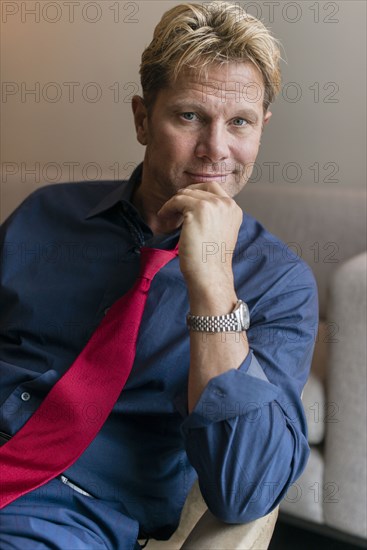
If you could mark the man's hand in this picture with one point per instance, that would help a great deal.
(211, 221)
(209, 216)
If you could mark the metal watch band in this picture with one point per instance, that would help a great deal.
(231, 322)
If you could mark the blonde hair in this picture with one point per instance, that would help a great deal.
(195, 36)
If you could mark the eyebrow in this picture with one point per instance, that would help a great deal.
(186, 105)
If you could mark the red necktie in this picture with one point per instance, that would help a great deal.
(44, 447)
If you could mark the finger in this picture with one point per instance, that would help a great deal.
(170, 220)
(178, 204)
(200, 194)
(209, 186)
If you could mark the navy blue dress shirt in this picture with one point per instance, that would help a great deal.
(68, 253)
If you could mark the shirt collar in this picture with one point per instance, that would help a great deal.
(122, 193)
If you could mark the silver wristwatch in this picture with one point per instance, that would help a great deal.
(236, 321)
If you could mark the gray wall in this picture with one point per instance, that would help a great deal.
(83, 62)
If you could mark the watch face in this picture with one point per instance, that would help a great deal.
(244, 316)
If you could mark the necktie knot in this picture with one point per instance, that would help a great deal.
(153, 259)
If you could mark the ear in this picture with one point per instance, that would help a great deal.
(267, 117)
(140, 119)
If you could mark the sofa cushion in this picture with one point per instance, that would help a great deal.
(346, 435)
(314, 393)
(304, 498)
(327, 334)
(313, 399)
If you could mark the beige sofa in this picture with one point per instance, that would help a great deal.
(326, 225)
(200, 530)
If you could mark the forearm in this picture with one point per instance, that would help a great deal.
(212, 354)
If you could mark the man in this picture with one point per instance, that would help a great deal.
(221, 406)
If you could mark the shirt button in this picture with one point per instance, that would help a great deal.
(25, 396)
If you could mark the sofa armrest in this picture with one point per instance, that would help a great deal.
(200, 530)
(209, 532)
(345, 443)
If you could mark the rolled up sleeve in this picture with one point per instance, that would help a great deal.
(247, 435)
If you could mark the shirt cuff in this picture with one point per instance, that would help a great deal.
(236, 392)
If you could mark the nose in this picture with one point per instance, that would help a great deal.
(212, 144)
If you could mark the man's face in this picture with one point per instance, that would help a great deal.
(203, 130)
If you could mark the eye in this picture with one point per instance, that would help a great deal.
(189, 116)
(240, 121)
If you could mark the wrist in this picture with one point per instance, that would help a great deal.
(212, 299)
(209, 281)
(237, 320)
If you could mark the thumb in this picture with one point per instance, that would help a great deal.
(170, 220)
